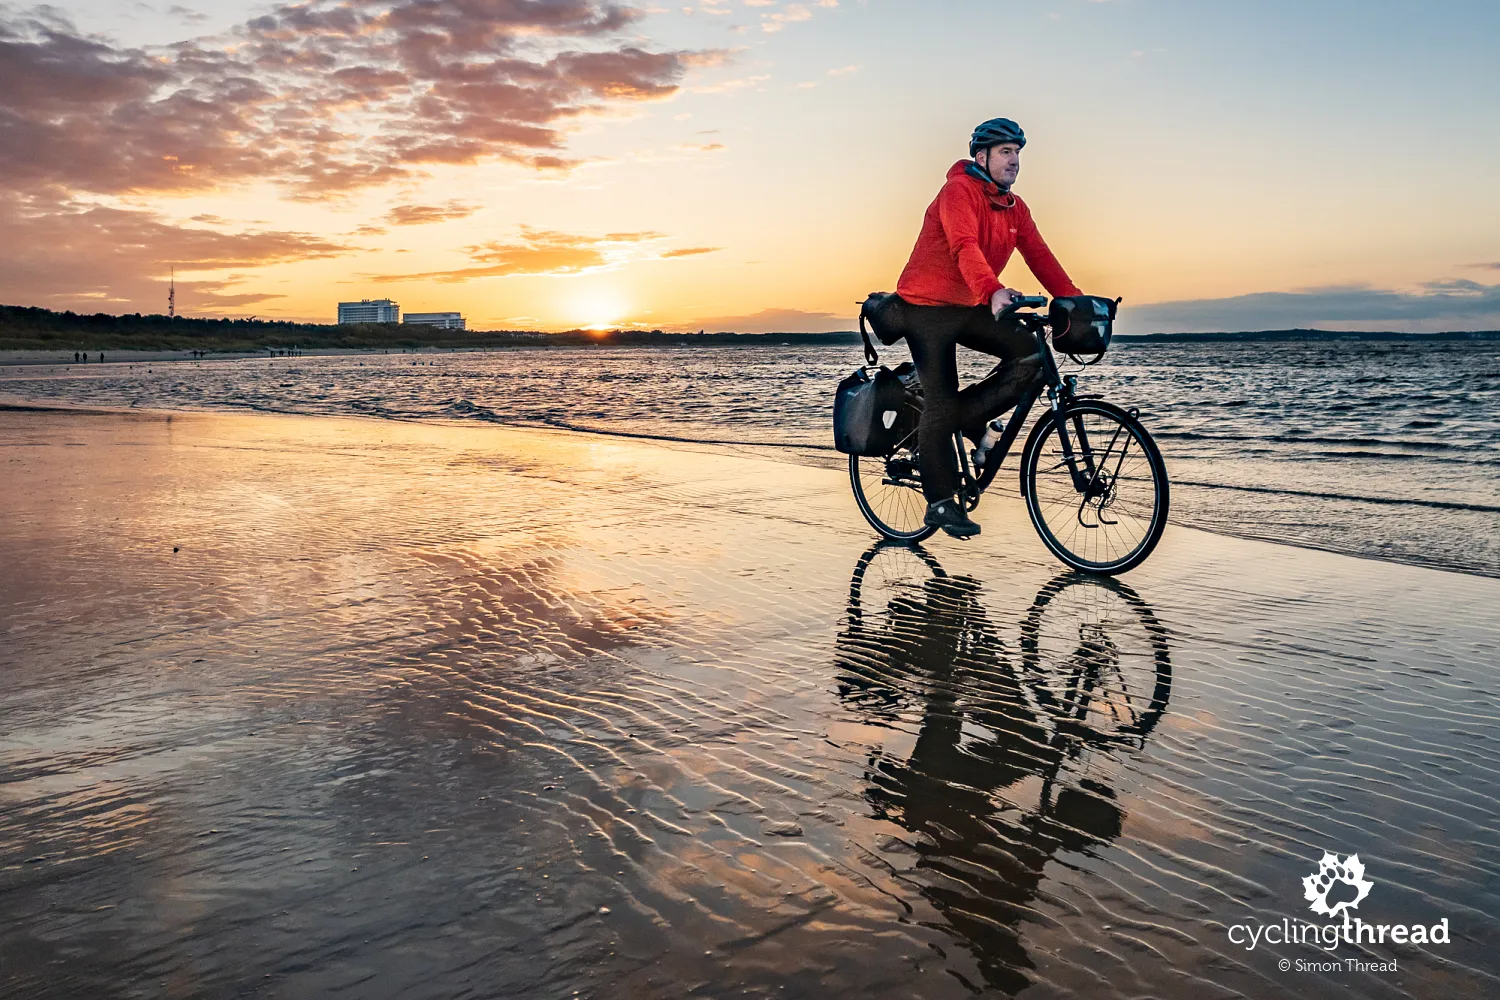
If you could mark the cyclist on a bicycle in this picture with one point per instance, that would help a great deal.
(968, 234)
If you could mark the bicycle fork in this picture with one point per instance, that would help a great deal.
(1086, 466)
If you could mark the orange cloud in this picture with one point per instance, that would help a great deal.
(419, 215)
(544, 251)
(77, 254)
(689, 252)
(321, 98)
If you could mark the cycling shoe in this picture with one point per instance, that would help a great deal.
(949, 515)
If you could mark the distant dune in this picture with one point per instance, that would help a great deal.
(27, 328)
(1311, 335)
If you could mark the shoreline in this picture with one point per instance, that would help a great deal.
(61, 359)
(27, 335)
(25, 357)
(29, 358)
(718, 447)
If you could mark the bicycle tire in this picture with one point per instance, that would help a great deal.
(902, 504)
(897, 566)
(1049, 513)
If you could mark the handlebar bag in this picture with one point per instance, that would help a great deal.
(1082, 324)
(869, 413)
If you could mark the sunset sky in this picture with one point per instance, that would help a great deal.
(746, 164)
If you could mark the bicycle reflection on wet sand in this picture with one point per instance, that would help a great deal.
(1013, 740)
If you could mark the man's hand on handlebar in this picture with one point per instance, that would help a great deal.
(1000, 300)
(1006, 301)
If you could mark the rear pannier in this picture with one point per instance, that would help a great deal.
(870, 413)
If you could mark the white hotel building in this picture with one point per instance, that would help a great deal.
(444, 321)
(369, 311)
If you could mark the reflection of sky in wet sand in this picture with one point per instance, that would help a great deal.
(421, 709)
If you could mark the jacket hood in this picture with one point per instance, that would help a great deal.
(997, 197)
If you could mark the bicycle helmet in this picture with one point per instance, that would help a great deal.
(994, 132)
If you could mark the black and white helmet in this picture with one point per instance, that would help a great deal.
(994, 132)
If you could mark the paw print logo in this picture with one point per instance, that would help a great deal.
(1331, 871)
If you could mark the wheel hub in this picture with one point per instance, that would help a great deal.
(900, 467)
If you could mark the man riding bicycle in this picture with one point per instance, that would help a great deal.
(968, 235)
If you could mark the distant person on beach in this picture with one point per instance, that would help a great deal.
(101, 355)
(968, 235)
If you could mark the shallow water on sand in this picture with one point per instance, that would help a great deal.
(1379, 449)
(309, 707)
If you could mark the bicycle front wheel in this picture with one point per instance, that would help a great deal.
(1100, 502)
(889, 493)
(1097, 658)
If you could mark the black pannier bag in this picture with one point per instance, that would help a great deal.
(870, 413)
(1082, 324)
(879, 310)
(883, 309)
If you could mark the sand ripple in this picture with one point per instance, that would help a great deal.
(423, 711)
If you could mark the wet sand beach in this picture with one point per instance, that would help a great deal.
(312, 706)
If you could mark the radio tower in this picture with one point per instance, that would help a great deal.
(172, 296)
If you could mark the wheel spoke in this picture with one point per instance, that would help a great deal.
(889, 494)
(1116, 517)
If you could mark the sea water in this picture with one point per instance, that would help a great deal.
(1389, 450)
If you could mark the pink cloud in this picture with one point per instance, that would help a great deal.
(321, 97)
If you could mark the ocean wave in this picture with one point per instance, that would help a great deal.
(1292, 437)
(1311, 428)
(1324, 495)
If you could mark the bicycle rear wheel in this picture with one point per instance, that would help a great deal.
(888, 574)
(1106, 519)
(888, 491)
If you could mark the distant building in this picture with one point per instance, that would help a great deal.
(445, 321)
(369, 311)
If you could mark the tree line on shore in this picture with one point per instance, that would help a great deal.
(30, 328)
(33, 328)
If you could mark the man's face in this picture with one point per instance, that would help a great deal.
(1003, 162)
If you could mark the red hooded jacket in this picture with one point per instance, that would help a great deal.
(968, 234)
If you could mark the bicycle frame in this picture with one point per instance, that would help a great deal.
(1060, 391)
